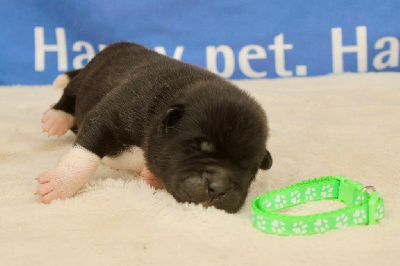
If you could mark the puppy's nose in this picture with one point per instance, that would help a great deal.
(217, 182)
(216, 190)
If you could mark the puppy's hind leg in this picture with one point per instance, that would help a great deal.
(59, 118)
(57, 122)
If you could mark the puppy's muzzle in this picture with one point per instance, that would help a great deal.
(211, 187)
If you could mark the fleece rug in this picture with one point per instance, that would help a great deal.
(333, 125)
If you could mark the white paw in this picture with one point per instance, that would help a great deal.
(56, 122)
(72, 172)
(56, 184)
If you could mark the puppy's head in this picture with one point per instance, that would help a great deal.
(209, 145)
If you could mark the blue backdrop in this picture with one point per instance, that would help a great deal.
(237, 39)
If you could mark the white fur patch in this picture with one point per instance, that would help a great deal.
(132, 160)
(61, 81)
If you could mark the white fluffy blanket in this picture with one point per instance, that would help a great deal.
(333, 125)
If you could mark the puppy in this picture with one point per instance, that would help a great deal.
(202, 138)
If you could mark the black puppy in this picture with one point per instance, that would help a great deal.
(202, 137)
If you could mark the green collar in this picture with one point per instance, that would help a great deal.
(362, 207)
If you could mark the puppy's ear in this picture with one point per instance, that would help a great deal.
(171, 117)
(267, 161)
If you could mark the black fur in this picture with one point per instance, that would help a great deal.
(203, 138)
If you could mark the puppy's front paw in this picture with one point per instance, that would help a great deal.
(56, 122)
(56, 184)
(73, 171)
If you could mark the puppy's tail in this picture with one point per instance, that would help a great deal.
(62, 80)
